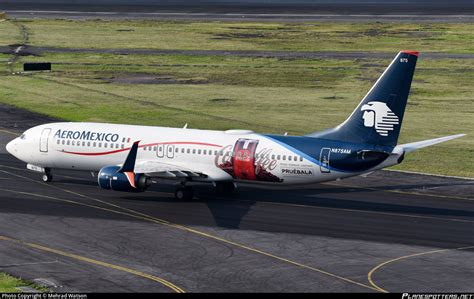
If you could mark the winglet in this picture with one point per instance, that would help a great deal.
(410, 147)
(129, 164)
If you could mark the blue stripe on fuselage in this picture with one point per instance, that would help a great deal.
(310, 149)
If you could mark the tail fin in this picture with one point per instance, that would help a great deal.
(378, 118)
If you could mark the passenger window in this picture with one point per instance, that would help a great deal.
(199, 152)
(194, 151)
(301, 159)
(204, 152)
(100, 144)
(122, 146)
(278, 157)
(83, 143)
(89, 143)
(94, 144)
(176, 150)
(105, 145)
(68, 142)
(289, 158)
(273, 157)
(189, 150)
(182, 150)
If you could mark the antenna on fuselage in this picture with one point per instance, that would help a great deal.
(185, 126)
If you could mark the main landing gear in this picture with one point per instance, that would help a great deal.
(47, 176)
(184, 192)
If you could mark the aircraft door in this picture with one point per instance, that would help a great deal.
(160, 150)
(324, 159)
(44, 140)
(244, 159)
(170, 151)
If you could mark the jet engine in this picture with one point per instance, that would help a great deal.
(111, 179)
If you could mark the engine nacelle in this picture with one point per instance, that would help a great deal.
(109, 178)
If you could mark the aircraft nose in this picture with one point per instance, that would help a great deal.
(11, 146)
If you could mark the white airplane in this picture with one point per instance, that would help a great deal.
(127, 157)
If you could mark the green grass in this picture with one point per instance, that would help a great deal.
(264, 94)
(373, 36)
(9, 284)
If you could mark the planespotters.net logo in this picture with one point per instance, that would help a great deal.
(438, 296)
(377, 115)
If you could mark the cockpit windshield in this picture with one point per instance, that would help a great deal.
(23, 137)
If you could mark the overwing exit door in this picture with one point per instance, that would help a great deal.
(44, 140)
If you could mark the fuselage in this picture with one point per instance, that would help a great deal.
(221, 155)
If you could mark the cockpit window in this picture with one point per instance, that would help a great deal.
(23, 137)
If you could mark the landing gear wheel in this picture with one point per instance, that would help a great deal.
(184, 193)
(225, 188)
(47, 177)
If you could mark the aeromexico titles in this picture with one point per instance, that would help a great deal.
(127, 157)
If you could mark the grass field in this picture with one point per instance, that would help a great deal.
(273, 95)
(375, 36)
(9, 284)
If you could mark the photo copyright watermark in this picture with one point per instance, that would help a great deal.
(437, 296)
(46, 296)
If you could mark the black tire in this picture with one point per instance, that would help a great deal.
(47, 177)
(184, 193)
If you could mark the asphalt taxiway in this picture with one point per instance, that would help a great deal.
(389, 231)
(253, 10)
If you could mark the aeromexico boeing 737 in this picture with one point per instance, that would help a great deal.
(127, 157)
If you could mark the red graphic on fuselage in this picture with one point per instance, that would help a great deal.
(244, 163)
(243, 159)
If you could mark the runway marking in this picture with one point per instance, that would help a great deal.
(359, 211)
(262, 202)
(10, 132)
(371, 273)
(431, 174)
(27, 264)
(160, 221)
(400, 192)
(95, 262)
(184, 228)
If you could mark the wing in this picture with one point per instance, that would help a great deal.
(166, 170)
(158, 169)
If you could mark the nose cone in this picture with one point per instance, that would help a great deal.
(11, 147)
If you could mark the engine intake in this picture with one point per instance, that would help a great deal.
(109, 178)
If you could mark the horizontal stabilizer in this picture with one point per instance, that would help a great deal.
(409, 147)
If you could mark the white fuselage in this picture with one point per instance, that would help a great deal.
(228, 155)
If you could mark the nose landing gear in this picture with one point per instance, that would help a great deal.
(47, 176)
